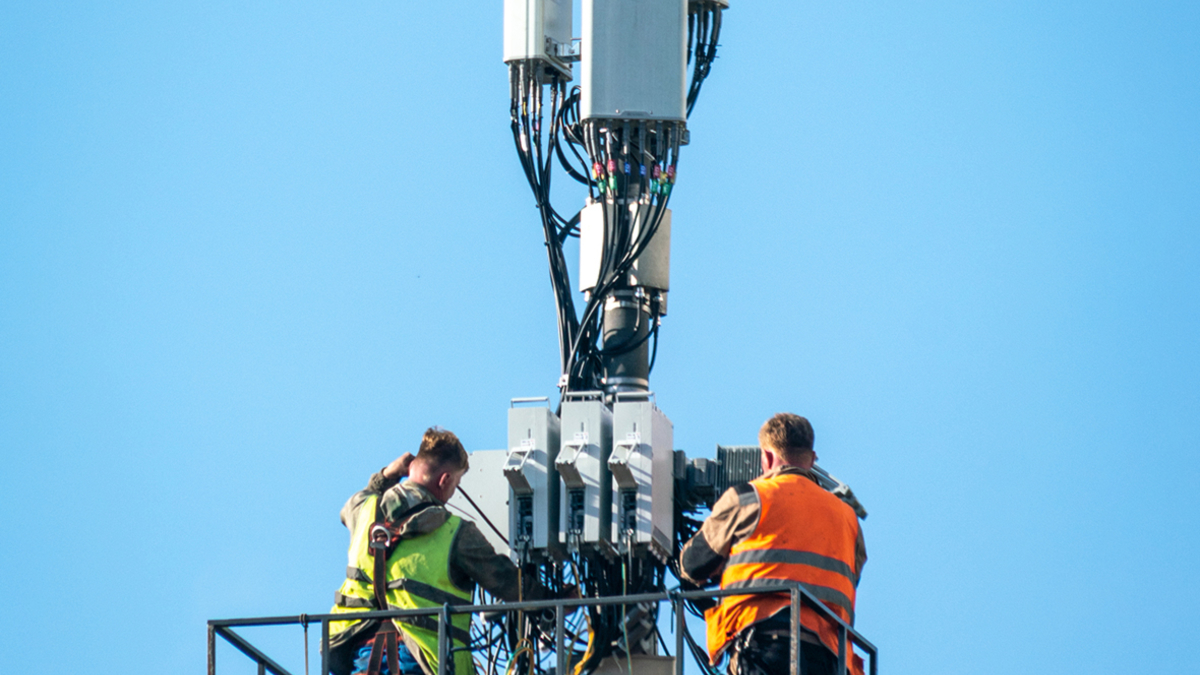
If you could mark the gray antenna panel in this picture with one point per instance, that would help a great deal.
(739, 464)
(634, 60)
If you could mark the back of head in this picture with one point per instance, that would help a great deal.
(789, 435)
(441, 452)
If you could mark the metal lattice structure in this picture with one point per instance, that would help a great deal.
(562, 655)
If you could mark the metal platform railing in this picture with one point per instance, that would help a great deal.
(799, 595)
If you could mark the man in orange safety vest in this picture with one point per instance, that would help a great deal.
(781, 526)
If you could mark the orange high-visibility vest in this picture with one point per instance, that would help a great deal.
(804, 534)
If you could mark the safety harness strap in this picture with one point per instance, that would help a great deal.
(377, 646)
(393, 651)
(426, 592)
(342, 600)
(383, 542)
(430, 624)
(386, 641)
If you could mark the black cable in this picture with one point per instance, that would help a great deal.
(527, 137)
(570, 228)
(631, 344)
(705, 33)
(484, 515)
(691, 33)
(698, 653)
(570, 104)
(653, 349)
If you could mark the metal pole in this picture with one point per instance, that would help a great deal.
(797, 667)
(680, 625)
(841, 650)
(213, 651)
(627, 321)
(251, 651)
(324, 647)
(444, 640)
(262, 668)
(560, 639)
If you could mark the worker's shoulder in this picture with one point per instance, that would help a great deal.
(737, 496)
(800, 482)
(415, 512)
(834, 504)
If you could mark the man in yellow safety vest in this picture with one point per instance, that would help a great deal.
(427, 557)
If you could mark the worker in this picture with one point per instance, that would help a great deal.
(432, 558)
(779, 527)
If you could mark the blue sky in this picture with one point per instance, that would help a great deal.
(249, 251)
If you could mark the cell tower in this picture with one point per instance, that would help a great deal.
(595, 494)
(592, 479)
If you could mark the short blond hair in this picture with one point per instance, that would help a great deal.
(788, 434)
(441, 450)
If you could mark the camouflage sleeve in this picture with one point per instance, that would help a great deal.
(473, 560)
(733, 517)
(376, 484)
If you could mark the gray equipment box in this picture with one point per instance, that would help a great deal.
(634, 59)
(484, 484)
(533, 443)
(583, 467)
(538, 30)
(643, 467)
(739, 464)
(652, 269)
(742, 464)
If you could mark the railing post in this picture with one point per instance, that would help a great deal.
(677, 607)
(797, 667)
(324, 647)
(444, 668)
(212, 650)
(842, 637)
(560, 638)
(262, 668)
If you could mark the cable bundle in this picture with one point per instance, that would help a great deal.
(633, 163)
(704, 31)
(621, 162)
(529, 82)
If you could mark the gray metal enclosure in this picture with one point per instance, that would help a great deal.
(634, 60)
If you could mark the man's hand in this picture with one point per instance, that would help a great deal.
(399, 467)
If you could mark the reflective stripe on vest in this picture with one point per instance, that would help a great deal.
(418, 573)
(804, 534)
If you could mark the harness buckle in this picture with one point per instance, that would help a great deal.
(381, 537)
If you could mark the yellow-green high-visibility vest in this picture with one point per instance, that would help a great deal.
(418, 576)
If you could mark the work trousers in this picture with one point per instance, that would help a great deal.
(766, 649)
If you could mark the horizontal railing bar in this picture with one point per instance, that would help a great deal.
(265, 620)
(782, 588)
(250, 650)
(455, 609)
(530, 605)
